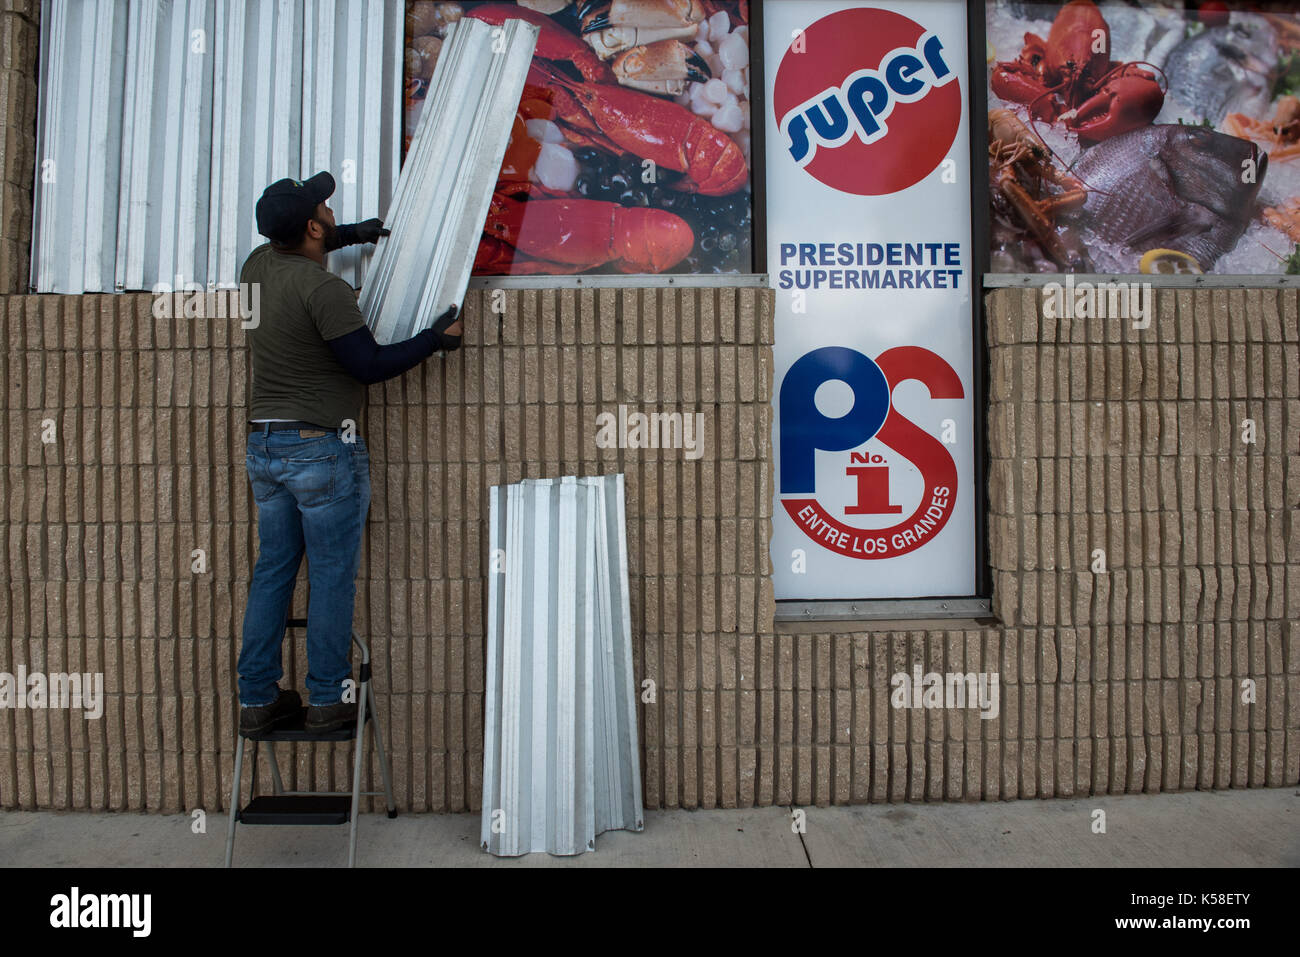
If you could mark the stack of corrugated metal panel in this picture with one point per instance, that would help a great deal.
(161, 122)
(447, 181)
(560, 757)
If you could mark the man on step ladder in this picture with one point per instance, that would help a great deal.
(312, 356)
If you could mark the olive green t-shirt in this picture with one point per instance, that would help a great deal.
(294, 372)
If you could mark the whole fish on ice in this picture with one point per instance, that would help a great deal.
(1168, 187)
(1142, 32)
(1222, 70)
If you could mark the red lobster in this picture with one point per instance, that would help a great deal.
(626, 121)
(1070, 77)
(600, 113)
(573, 235)
(553, 41)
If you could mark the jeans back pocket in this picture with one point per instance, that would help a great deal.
(311, 480)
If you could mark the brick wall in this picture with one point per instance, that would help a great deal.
(146, 466)
(19, 42)
(1107, 437)
(1100, 437)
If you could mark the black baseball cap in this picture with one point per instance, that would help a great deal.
(287, 204)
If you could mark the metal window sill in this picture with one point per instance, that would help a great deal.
(1038, 280)
(629, 281)
(870, 613)
(861, 626)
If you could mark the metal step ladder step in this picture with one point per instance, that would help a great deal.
(286, 807)
(298, 809)
(294, 729)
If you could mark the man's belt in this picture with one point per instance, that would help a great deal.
(295, 426)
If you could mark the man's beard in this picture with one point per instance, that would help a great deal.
(331, 236)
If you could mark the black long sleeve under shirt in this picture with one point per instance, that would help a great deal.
(369, 362)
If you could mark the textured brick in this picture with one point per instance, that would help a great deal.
(1114, 682)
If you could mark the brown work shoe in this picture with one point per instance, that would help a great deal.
(260, 719)
(322, 718)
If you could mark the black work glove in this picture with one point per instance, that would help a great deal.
(444, 340)
(349, 234)
(370, 230)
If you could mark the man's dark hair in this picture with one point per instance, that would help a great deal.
(293, 240)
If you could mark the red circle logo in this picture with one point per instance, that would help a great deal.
(867, 101)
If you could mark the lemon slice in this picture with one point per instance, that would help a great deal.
(1168, 262)
(989, 52)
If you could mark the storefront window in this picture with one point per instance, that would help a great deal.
(1144, 139)
(630, 151)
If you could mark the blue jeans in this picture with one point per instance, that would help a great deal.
(312, 495)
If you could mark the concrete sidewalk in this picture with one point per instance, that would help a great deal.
(1255, 828)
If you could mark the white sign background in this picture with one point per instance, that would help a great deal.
(800, 209)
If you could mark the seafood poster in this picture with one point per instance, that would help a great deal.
(869, 229)
(1144, 138)
(630, 149)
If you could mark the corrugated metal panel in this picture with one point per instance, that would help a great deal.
(560, 758)
(446, 184)
(161, 122)
(618, 759)
(354, 127)
(79, 113)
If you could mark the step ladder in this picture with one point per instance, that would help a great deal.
(312, 807)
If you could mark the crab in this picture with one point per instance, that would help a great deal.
(612, 26)
(665, 66)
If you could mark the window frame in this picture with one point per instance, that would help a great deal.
(980, 604)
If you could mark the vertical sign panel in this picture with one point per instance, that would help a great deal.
(869, 227)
